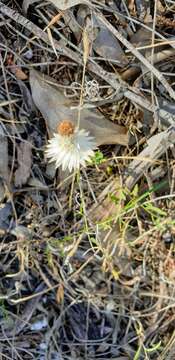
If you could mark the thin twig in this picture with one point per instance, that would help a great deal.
(120, 86)
(137, 54)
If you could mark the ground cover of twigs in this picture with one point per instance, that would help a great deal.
(87, 255)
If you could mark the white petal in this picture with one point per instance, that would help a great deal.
(70, 151)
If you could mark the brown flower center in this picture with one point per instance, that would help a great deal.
(66, 128)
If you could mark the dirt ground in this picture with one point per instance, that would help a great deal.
(87, 257)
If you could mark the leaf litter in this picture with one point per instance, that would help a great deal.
(24, 158)
(87, 259)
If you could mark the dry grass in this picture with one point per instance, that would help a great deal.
(88, 263)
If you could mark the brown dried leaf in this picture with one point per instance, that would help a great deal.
(25, 162)
(141, 37)
(55, 107)
(20, 74)
(60, 294)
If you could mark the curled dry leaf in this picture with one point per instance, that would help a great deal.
(25, 162)
(55, 107)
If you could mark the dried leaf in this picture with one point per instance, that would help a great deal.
(107, 46)
(20, 74)
(55, 107)
(105, 43)
(60, 294)
(25, 162)
(60, 4)
(39, 324)
(71, 22)
(27, 98)
(66, 4)
(132, 7)
(5, 212)
(141, 37)
(22, 232)
(36, 183)
(27, 3)
(157, 145)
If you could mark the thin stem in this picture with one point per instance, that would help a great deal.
(81, 95)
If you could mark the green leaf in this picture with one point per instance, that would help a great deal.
(154, 209)
(98, 158)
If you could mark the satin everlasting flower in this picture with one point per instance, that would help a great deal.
(70, 147)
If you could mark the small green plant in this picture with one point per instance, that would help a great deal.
(57, 245)
(98, 158)
(130, 205)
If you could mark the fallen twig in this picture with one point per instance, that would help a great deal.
(137, 54)
(120, 86)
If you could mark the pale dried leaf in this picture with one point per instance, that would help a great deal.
(25, 162)
(39, 324)
(67, 4)
(55, 107)
(60, 4)
(157, 145)
(27, 3)
(22, 232)
(36, 183)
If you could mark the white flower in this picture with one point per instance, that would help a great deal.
(70, 147)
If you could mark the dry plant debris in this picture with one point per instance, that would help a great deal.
(87, 258)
